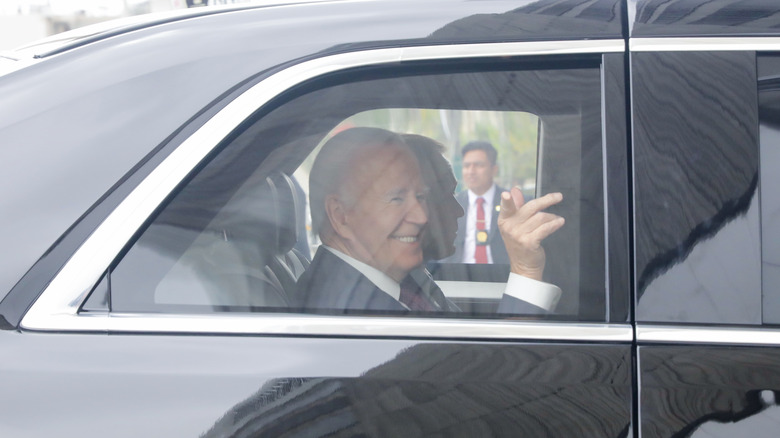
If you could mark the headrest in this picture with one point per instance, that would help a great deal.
(264, 213)
(282, 211)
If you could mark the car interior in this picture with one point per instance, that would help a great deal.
(234, 236)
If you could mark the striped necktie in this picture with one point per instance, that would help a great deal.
(412, 296)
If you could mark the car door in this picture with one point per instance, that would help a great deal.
(704, 141)
(177, 297)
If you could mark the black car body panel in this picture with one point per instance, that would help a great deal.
(341, 387)
(716, 390)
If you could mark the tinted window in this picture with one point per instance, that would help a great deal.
(240, 232)
(769, 112)
(696, 176)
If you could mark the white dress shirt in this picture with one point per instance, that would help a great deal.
(374, 275)
(538, 293)
(470, 244)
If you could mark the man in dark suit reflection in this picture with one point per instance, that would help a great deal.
(478, 239)
(369, 205)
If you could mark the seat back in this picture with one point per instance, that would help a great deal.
(283, 212)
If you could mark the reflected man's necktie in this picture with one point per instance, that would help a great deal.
(412, 297)
(480, 252)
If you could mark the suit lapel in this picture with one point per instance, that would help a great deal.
(334, 284)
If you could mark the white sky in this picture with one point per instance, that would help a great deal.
(66, 7)
(25, 21)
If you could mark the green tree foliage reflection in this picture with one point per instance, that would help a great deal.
(514, 135)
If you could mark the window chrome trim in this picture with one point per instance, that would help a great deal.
(704, 44)
(664, 334)
(282, 324)
(61, 299)
(605, 194)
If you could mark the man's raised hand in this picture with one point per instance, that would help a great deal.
(523, 226)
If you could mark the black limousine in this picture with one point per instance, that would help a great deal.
(165, 191)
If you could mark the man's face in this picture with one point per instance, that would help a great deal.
(388, 212)
(478, 173)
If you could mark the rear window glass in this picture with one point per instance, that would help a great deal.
(351, 197)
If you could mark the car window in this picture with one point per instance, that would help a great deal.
(246, 231)
(698, 248)
(769, 129)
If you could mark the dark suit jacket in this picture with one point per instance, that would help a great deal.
(330, 283)
(497, 247)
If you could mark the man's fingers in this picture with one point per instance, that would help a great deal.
(548, 227)
(508, 207)
(538, 227)
(536, 205)
(528, 221)
(512, 204)
(511, 201)
(517, 197)
(536, 221)
(545, 201)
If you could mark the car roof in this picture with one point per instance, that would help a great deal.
(99, 31)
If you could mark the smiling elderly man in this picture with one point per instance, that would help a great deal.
(369, 207)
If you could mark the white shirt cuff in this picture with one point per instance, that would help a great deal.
(538, 293)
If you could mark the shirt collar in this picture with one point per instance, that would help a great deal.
(488, 195)
(374, 275)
